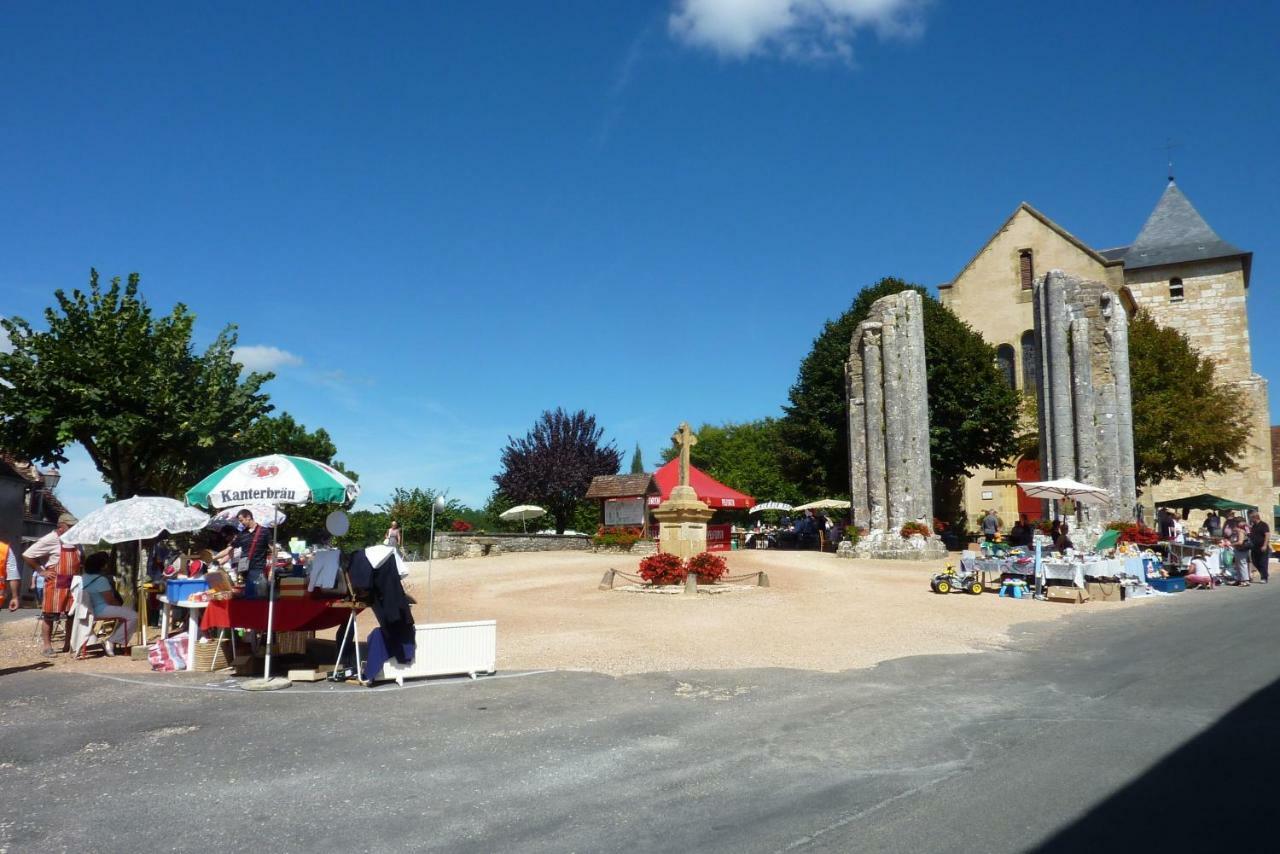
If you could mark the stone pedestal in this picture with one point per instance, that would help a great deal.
(682, 523)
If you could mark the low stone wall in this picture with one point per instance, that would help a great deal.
(480, 545)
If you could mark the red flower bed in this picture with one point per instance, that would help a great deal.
(461, 525)
(663, 568)
(1132, 532)
(709, 567)
(914, 528)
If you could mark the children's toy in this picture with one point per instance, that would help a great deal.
(950, 581)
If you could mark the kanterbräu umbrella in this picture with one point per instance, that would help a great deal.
(137, 518)
(273, 480)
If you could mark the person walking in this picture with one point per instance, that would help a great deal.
(1240, 545)
(57, 563)
(1260, 541)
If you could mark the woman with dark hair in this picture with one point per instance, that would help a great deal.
(1062, 541)
(104, 601)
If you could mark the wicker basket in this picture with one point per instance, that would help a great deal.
(212, 655)
(291, 643)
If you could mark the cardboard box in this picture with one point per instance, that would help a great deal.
(1105, 591)
(1069, 595)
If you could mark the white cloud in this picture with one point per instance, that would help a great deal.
(258, 357)
(807, 29)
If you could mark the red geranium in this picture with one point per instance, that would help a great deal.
(663, 568)
(708, 567)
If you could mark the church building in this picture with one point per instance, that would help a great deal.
(1178, 270)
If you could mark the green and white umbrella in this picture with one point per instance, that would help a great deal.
(273, 480)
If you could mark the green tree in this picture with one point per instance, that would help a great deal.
(282, 434)
(153, 415)
(746, 457)
(1184, 424)
(637, 461)
(412, 509)
(585, 517)
(367, 528)
(973, 413)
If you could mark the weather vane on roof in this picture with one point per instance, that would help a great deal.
(1169, 146)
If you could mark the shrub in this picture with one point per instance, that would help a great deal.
(461, 526)
(621, 537)
(709, 567)
(914, 528)
(663, 568)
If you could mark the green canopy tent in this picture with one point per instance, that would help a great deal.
(1205, 501)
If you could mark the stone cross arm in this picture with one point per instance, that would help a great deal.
(684, 439)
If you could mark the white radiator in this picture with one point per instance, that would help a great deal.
(448, 649)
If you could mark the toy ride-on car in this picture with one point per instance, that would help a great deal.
(950, 581)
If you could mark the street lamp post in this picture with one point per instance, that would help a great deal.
(438, 504)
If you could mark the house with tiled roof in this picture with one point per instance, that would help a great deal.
(28, 507)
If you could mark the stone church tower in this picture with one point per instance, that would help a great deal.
(1177, 269)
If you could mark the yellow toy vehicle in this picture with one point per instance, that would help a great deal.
(950, 581)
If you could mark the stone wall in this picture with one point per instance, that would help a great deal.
(480, 545)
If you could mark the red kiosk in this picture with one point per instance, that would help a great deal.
(710, 491)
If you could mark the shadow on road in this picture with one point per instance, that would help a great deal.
(1214, 793)
(39, 665)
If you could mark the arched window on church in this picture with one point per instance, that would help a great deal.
(1175, 290)
(1030, 363)
(1026, 270)
(1004, 361)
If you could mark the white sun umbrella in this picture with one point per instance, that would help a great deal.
(1065, 488)
(139, 518)
(770, 505)
(522, 513)
(263, 514)
(273, 480)
(825, 504)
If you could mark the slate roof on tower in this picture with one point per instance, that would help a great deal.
(1176, 233)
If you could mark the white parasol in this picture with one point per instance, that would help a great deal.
(264, 514)
(137, 518)
(825, 504)
(1065, 488)
(522, 513)
(770, 505)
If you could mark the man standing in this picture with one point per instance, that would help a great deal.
(1238, 536)
(1260, 540)
(253, 544)
(990, 525)
(57, 564)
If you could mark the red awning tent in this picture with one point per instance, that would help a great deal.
(713, 492)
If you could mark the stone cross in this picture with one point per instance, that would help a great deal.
(684, 439)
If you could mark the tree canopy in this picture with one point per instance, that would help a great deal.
(746, 457)
(1184, 423)
(153, 415)
(553, 464)
(973, 413)
(412, 509)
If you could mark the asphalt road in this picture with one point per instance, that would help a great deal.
(1144, 728)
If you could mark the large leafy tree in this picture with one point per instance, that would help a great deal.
(554, 463)
(282, 434)
(1184, 423)
(746, 457)
(127, 385)
(973, 413)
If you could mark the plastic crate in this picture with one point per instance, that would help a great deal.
(1168, 585)
(178, 589)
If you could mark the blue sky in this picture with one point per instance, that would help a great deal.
(448, 217)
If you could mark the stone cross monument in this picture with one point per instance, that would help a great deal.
(887, 386)
(684, 439)
(682, 518)
(1084, 403)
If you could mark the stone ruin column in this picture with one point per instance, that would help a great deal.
(1119, 329)
(873, 392)
(1086, 440)
(1059, 416)
(887, 384)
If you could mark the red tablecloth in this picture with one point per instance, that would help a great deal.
(293, 614)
